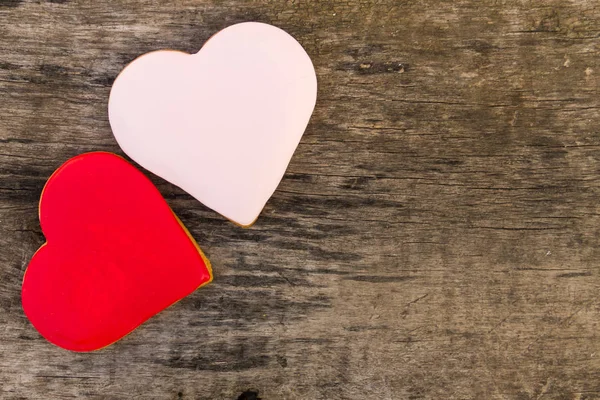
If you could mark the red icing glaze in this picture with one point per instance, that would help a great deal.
(115, 254)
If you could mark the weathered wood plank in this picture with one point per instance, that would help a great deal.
(436, 235)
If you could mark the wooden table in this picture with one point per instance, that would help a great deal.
(436, 235)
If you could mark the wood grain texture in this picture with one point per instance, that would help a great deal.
(436, 235)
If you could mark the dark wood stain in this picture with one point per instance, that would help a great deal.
(10, 3)
(379, 279)
(574, 275)
(224, 356)
(436, 235)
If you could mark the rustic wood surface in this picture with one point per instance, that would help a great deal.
(436, 235)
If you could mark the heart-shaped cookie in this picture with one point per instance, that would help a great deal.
(223, 123)
(115, 254)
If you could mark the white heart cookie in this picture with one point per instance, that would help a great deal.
(222, 124)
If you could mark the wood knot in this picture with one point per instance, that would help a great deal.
(249, 395)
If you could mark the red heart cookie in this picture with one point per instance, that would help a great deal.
(115, 254)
